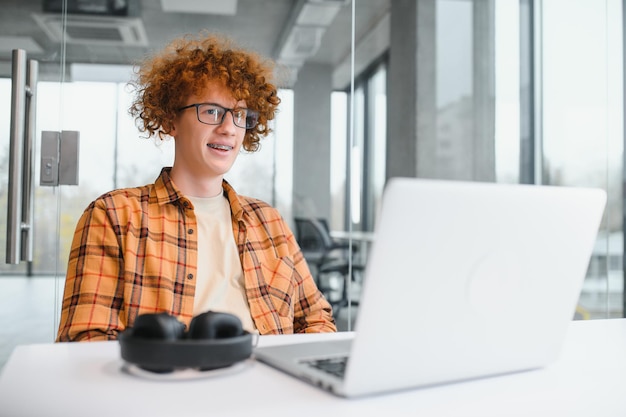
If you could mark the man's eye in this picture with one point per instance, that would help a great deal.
(212, 111)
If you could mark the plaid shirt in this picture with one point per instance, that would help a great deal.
(135, 251)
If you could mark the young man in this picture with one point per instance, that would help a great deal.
(189, 243)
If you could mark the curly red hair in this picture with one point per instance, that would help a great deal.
(184, 67)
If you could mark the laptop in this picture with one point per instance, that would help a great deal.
(464, 280)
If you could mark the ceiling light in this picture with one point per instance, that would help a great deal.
(221, 7)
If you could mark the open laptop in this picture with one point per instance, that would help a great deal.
(464, 280)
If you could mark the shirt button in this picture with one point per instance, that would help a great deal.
(189, 276)
(190, 231)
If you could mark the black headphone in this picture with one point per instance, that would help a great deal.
(159, 343)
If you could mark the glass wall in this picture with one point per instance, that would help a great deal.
(83, 88)
(498, 91)
(582, 128)
(501, 91)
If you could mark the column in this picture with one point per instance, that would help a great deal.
(311, 168)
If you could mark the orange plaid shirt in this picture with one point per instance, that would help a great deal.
(135, 251)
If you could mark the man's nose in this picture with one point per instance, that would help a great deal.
(228, 121)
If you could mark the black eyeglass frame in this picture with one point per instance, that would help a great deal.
(226, 110)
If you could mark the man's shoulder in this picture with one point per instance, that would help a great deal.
(257, 206)
(254, 203)
(261, 215)
(125, 196)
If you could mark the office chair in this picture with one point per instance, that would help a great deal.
(327, 257)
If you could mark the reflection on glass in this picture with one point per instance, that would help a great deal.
(357, 185)
(507, 91)
(5, 115)
(377, 144)
(339, 143)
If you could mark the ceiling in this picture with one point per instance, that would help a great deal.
(289, 31)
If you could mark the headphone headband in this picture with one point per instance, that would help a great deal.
(167, 354)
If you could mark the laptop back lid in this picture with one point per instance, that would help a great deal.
(466, 280)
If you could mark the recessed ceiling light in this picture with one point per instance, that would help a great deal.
(222, 7)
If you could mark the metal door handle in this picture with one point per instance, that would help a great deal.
(21, 155)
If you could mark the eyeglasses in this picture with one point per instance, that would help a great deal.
(213, 114)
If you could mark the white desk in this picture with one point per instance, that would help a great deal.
(84, 379)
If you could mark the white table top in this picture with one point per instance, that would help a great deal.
(85, 379)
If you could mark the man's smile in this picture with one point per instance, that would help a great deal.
(220, 147)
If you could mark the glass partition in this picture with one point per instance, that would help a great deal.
(507, 91)
(498, 91)
(582, 130)
(83, 87)
(28, 306)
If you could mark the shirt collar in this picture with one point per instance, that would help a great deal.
(166, 192)
(235, 201)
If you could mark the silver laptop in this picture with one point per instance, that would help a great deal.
(463, 280)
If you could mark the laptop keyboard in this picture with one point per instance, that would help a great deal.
(334, 366)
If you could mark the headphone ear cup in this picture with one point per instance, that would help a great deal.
(147, 330)
(158, 343)
(214, 325)
(158, 326)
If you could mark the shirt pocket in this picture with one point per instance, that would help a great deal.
(279, 278)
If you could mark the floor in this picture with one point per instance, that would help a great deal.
(28, 312)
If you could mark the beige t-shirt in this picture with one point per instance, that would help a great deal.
(220, 286)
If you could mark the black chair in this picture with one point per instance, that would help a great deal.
(327, 256)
